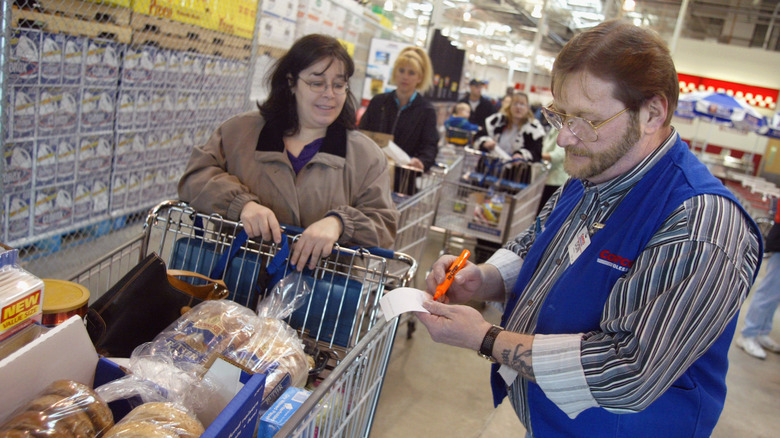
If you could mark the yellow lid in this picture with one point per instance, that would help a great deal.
(63, 296)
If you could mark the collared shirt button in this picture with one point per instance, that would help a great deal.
(583, 216)
(558, 261)
(530, 302)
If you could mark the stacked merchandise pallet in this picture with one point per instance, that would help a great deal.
(104, 101)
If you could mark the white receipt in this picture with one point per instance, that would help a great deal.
(401, 300)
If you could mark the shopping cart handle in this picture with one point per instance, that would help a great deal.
(292, 230)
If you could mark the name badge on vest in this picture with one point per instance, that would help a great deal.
(578, 245)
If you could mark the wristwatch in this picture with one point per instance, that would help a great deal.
(486, 349)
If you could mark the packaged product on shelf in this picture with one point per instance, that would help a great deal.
(125, 110)
(23, 106)
(53, 208)
(118, 192)
(18, 216)
(173, 71)
(46, 161)
(130, 150)
(66, 158)
(58, 110)
(191, 68)
(82, 201)
(101, 62)
(73, 59)
(97, 110)
(18, 171)
(161, 113)
(137, 66)
(23, 66)
(160, 68)
(154, 144)
(150, 191)
(21, 295)
(100, 195)
(95, 154)
(143, 104)
(52, 46)
(134, 186)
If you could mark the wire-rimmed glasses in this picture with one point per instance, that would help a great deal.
(319, 86)
(583, 129)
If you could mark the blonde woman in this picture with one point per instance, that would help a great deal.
(404, 112)
(514, 129)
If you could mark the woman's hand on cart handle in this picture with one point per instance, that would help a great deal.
(464, 286)
(315, 242)
(260, 221)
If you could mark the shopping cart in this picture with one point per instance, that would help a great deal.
(362, 354)
(459, 137)
(417, 206)
(493, 199)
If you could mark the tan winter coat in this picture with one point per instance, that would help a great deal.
(245, 160)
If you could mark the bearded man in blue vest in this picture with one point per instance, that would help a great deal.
(622, 299)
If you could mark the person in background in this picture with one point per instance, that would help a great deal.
(515, 130)
(404, 112)
(621, 300)
(556, 176)
(754, 338)
(481, 106)
(298, 161)
(460, 118)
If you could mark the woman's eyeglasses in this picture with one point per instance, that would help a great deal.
(583, 129)
(317, 86)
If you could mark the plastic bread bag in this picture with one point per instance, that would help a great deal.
(287, 295)
(157, 419)
(172, 366)
(64, 408)
(276, 351)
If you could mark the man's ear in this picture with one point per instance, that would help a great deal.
(653, 113)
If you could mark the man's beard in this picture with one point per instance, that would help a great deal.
(601, 161)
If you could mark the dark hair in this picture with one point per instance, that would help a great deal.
(635, 59)
(279, 108)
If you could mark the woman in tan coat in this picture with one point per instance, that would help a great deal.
(298, 161)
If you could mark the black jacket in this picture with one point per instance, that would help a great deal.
(415, 129)
(772, 239)
(484, 109)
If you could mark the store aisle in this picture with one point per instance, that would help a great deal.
(436, 390)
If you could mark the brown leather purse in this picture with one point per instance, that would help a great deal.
(143, 303)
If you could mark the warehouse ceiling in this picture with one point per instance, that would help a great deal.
(503, 31)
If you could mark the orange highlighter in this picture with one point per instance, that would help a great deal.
(454, 268)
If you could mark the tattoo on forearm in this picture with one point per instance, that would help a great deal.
(519, 360)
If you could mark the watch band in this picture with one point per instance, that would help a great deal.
(486, 349)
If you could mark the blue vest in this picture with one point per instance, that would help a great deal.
(692, 405)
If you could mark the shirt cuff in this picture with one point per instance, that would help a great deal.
(508, 264)
(558, 372)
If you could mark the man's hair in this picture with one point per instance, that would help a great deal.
(280, 107)
(416, 58)
(636, 60)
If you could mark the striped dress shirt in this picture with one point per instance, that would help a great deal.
(682, 291)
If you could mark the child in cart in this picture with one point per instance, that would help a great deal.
(298, 161)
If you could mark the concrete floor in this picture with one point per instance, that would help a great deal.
(436, 390)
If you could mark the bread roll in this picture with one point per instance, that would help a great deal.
(83, 396)
(275, 350)
(63, 409)
(139, 429)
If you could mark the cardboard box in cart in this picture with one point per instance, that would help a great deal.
(66, 352)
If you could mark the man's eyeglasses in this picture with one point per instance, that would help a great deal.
(317, 86)
(583, 129)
